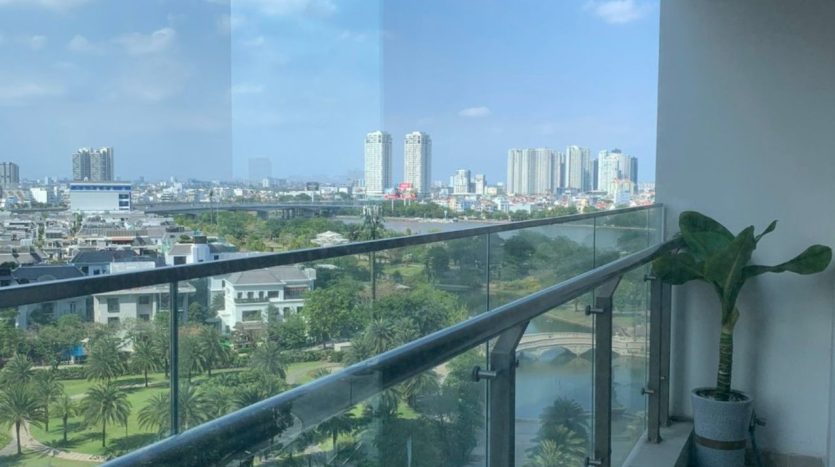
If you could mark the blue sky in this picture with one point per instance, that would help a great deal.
(194, 88)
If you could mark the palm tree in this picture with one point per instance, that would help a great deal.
(105, 403)
(191, 358)
(342, 423)
(379, 336)
(18, 406)
(18, 370)
(104, 361)
(64, 408)
(145, 357)
(193, 410)
(214, 352)
(47, 389)
(267, 359)
(549, 454)
(565, 413)
(423, 384)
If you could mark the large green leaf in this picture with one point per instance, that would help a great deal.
(768, 230)
(704, 236)
(677, 268)
(815, 259)
(724, 268)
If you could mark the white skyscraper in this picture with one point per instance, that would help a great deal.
(480, 184)
(613, 167)
(531, 171)
(417, 166)
(461, 182)
(578, 168)
(377, 162)
(543, 171)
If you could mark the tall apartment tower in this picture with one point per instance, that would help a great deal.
(480, 184)
(531, 171)
(377, 162)
(544, 159)
(461, 182)
(417, 167)
(93, 165)
(615, 166)
(578, 167)
(9, 175)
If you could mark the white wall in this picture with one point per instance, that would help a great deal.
(746, 134)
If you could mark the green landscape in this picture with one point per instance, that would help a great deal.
(118, 399)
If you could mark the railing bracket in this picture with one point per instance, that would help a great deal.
(479, 374)
(594, 311)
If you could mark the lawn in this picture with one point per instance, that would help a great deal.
(88, 439)
(5, 439)
(32, 459)
(302, 372)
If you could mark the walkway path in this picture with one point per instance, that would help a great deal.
(29, 443)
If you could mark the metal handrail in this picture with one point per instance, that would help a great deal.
(238, 433)
(83, 286)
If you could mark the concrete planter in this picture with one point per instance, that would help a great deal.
(720, 428)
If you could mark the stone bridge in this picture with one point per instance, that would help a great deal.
(579, 343)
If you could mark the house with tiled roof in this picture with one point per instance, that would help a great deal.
(264, 295)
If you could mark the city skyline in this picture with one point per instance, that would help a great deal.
(157, 82)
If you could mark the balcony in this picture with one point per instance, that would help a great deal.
(521, 320)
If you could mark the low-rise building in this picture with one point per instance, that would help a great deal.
(100, 196)
(140, 304)
(264, 295)
(48, 311)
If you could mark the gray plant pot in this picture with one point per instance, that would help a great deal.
(720, 428)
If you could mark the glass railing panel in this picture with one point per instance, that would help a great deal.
(655, 221)
(82, 372)
(435, 418)
(524, 261)
(621, 234)
(554, 389)
(630, 349)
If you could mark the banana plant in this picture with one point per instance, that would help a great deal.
(707, 251)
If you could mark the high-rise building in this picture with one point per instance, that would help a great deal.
(480, 184)
(9, 175)
(633, 173)
(531, 171)
(543, 171)
(461, 182)
(377, 162)
(260, 168)
(417, 167)
(613, 167)
(559, 170)
(578, 168)
(93, 165)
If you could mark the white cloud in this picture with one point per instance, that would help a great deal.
(36, 42)
(154, 79)
(15, 93)
(80, 44)
(619, 11)
(291, 7)
(142, 44)
(54, 5)
(475, 112)
(247, 88)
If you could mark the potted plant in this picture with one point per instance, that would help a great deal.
(709, 252)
